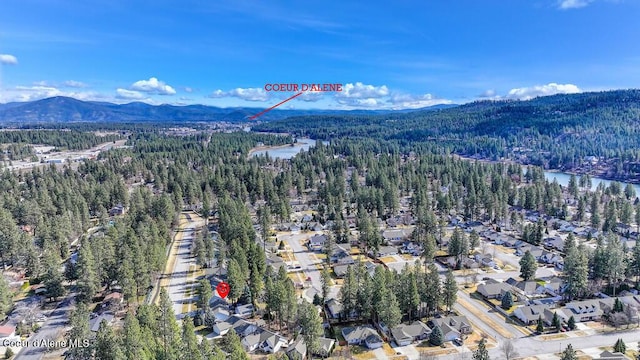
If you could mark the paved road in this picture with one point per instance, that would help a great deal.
(52, 329)
(181, 284)
(308, 263)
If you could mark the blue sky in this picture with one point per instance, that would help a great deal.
(387, 54)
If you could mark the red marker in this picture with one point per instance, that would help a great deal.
(223, 289)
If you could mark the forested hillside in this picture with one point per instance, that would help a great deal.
(556, 132)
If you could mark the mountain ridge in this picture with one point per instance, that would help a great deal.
(61, 108)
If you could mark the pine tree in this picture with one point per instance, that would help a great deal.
(620, 346)
(528, 266)
(450, 290)
(88, 282)
(168, 332)
(481, 352)
(80, 331)
(233, 346)
(6, 298)
(571, 323)
(507, 300)
(132, 341)
(436, 337)
(325, 278)
(556, 322)
(107, 345)
(569, 353)
(311, 326)
(205, 293)
(236, 280)
(540, 325)
(190, 347)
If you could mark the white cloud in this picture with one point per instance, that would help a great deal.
(573, 4)
(153, 86)
(37, 92)
(311, 96)
(359, 103)
(74, 84)
(8, 59)
(409, 101)
(490, 93)
(247, 94)
(129, 94)
(526, 93)
(362, 91)
(188, 89)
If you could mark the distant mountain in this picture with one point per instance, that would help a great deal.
(65, 109)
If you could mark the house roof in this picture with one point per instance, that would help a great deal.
(533, 312)
(317, 240)
(613, 355)
(449, 323)
(94, 323)
(360, 333)
(334, 306)
(6, 330)
(409, 332)
(298, 348)
(527, 287)
(493, 289)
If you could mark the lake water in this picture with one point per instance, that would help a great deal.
(563, 179)
(287, 152)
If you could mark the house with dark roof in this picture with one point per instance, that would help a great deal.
(264, 341)
(362, 335)
(494, 290)
(452, 326)
(396, 236)
(529, 314)
(608, 355)
(316, 242)
(407, 334)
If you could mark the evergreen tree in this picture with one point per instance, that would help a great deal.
(233, 346)
(190, 347)
(556, 322)
(236, 280)
(107, 345)
(311, 326)
(80, 331)
(571, 323)
(325, 278)
(205, 293)
(528, 266)
(88, 282)
(436, 337)
(481, 352)
(450, 290)
(569, 353)
(507, 300)
(620, 346)
(132, 342)
(168, 331)
(6, 298)
(540, 325)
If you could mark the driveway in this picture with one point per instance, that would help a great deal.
(52, 329)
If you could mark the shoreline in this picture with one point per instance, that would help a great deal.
(275, 147)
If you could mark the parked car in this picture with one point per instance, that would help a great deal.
(458, 341)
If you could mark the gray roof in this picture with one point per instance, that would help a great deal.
(405, 332)
(360, 333)
(493, 289)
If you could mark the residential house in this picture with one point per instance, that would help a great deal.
(528, 288)
(396, 236)
(94, 323)
(529, 314)
(412, 248)
(494, 290)
(555, 242)
(362, 335)
(298, 350)
(406, 334)
(264, 341)
(536, 251)
(113, 301)
(452, 326)
(554, 286)
(608, 355)
(8, 332)
(585, 310)
(244, 311)
(117, 210)
(333, 309)
(317, 242)
(220, 312)
(275, 261)
(340, 254)
(387, 251)
(484, 260)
